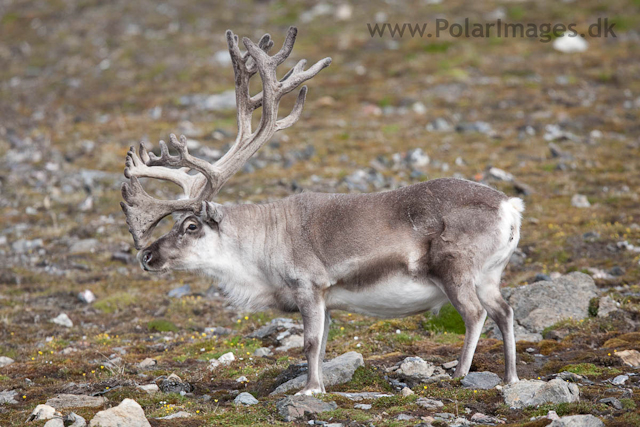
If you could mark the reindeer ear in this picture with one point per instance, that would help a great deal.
(211, 212)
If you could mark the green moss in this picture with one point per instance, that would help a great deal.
(589, 369)
(368, 378)
(161, 325)
(115, 302)
(448, 320)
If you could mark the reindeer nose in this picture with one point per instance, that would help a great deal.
(147, 256)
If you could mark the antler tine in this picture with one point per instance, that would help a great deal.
(137, 165)
(293, 117)
(287, 46)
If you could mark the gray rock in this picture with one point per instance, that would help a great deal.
(337, 371)
(226, 358)
(363, 406)
(74, 420)
(149, 388)
(365, 395)
(23, 246)
(246, 399)
(64, 401)
(276, 325)
(620, 379)
(405, 417)
(293, 407)
(175, 384)
(84, 246)
(534, 392)
(430, 404)
(612, 401)
(42, 412)
(7, 397)
(292, 341)
(541, 304)
(570, 376)
(181, 414)
(55, 422)
(63, 320)
(577, 421)
(450, 365)
(5, 361)
(406, 392)
(128, 413)
(417, 369)
(86, 296)
(262, 352)
(606, 306)
(480, 127)
(580, 201)
(481, 380)
(480, 418)
(147, 363)
(180, 292)
(439, 125)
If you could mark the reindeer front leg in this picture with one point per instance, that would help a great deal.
(312, 308)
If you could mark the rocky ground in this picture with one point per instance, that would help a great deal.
(89, 335)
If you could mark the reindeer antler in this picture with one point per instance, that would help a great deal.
(143, 212)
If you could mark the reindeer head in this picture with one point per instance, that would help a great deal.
(203, 218)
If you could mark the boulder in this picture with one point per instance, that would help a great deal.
(55, 422)
(294, 407)
(337, 371)
(577, 421)
(129, 413)
(534, 392)
(481, 380)
(541, 304)
(64, 401)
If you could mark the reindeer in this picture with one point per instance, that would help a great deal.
(390, 254)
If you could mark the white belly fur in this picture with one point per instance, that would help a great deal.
(398, 296)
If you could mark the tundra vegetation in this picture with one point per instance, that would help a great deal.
(82, 81)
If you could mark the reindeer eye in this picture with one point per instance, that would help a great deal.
(192, 227)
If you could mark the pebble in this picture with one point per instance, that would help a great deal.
(5, 361)
(620, 379)
(363, 406)
(580, 201)
(180, 292)
(450, 365)
(226, 358)
(246, 399)
(566, 44)
(407, 392)
(63, 320)
(86, 296)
